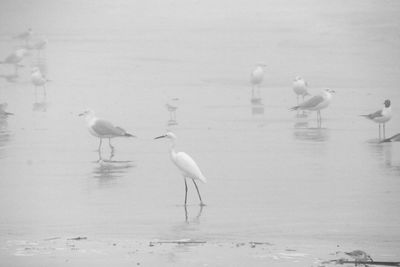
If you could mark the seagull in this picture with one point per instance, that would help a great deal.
(15, 57)
(257, 76)
(4, 113)
(39, 45)
(300, 87)
(25, 36)
(317, 103)
(38, 79)
(186, 165)
(381, 116)
(359, 255)
(103, 129)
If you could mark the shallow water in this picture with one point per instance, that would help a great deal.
(272, 175)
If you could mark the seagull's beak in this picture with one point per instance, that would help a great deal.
(159, 137)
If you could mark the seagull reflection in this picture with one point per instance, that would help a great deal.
(257, 107)
(195, 219)
(4, 134)
(384, 154)
(107, 169)
(301, 121)
(172, 106)
(312, 134)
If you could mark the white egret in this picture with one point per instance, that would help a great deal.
(381, 116)
(102, 128)
(300, 88)
(185, 164)
(317, 103)
(256, 77)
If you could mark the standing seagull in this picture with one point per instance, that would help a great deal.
(317, 103)
(15, 58)
(103, 129)
(186, 165)
(381, 116)
(300, 88)
(256, 77)
(38, 79)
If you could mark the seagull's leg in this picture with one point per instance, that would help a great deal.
(379, 131)
(44, 90)
(109, 143)
(186, 213)
(186, 189)
(198, 192)
(101, 140)
(35, 93)
(252, 91)
(384, 130)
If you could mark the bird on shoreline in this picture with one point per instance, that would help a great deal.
(256, 77)
(38, 79)
(300, 88)
(15, 58)
(102, 128)
(359, 255)
(316, 103)
(381, 117)
(186, 165)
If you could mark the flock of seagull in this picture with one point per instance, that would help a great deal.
(189, 169)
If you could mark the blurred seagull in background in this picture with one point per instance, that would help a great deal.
(381, 116)
(185, 164)
(38, 79)
(103, 129)
(317, 103)
(300, 87)
(24, 36)
(38, 45)
(256, 77)
(359, 255)
(15, 58)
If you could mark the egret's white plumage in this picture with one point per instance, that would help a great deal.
(316, 103)
(185, 164)
(102, 128)
(300, 87)
(381, 116)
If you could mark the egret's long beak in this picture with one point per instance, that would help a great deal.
(159, 137)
